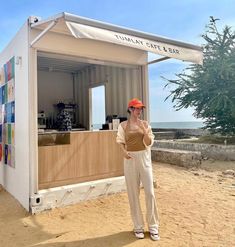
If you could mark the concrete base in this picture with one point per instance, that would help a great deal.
(177, 157)
(71, 194)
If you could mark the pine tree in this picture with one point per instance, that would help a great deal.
(210, 88)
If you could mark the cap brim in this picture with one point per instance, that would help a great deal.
(139, 106)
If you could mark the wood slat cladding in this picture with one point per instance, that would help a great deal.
(89, 156)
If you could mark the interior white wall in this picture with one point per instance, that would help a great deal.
(16, 180)
(121, 84)
(53, 87)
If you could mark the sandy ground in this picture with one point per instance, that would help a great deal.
(196, 207)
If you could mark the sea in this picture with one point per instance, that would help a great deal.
(169, 125)
(177, 125)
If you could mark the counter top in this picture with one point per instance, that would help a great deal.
(51, 132)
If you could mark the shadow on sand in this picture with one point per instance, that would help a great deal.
(114, 240)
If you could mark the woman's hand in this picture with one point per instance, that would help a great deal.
(127, 155)
(142, 126)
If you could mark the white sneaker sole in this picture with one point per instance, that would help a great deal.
(154, 238)
(139, 235)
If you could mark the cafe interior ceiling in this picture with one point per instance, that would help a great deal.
(52, 62)
(59, 65)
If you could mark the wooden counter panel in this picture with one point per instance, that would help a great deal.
(89, 156)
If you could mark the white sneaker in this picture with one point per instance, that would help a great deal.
(139, 234)
(154, 235)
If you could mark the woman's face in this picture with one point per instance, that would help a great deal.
(136, 112)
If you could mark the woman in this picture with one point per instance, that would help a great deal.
(135, 138)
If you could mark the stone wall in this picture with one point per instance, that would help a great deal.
(176, 133)
(214, 151)
(177, 157)
(164, 135)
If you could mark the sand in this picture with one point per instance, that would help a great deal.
(196, 208)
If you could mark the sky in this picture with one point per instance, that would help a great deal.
(182, 20)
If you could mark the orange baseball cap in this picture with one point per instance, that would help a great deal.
(136, 103)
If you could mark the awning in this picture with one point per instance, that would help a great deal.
(84, 28)
(160, 48)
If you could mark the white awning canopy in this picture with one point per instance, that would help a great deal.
(160, 48)
(83, 28)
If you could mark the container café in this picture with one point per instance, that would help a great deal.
(61, 62)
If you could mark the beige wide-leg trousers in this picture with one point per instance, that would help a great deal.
(139, 169)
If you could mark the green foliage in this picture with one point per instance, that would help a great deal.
(210, 88)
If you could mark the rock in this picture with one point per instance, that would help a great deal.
(25, 224)
(229, 172)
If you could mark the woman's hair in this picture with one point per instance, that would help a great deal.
(129, 109)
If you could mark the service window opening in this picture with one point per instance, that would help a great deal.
(90, 93)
